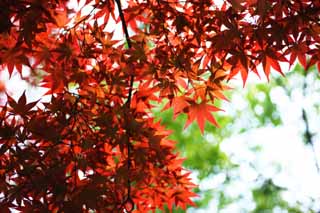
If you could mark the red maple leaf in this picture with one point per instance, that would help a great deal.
(201, 113)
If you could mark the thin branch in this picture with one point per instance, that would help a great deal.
(315, 158)
(126, 33)
(124, 25)
(81, 21)
(128, 200)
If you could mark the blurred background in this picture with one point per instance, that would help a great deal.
(264, 157)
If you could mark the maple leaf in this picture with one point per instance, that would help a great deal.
(201, 113)
(179, 104)
(21, 107)
(269, 62)
(60, 18)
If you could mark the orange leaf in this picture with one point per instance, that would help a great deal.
(268, 63)
(178, 104)
(201, 112)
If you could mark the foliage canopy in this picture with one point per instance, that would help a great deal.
(98, 122)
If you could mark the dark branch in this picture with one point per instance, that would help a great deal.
(128, 200)
(126, 33)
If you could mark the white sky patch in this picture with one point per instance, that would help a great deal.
(15, 86)
(283, 157)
